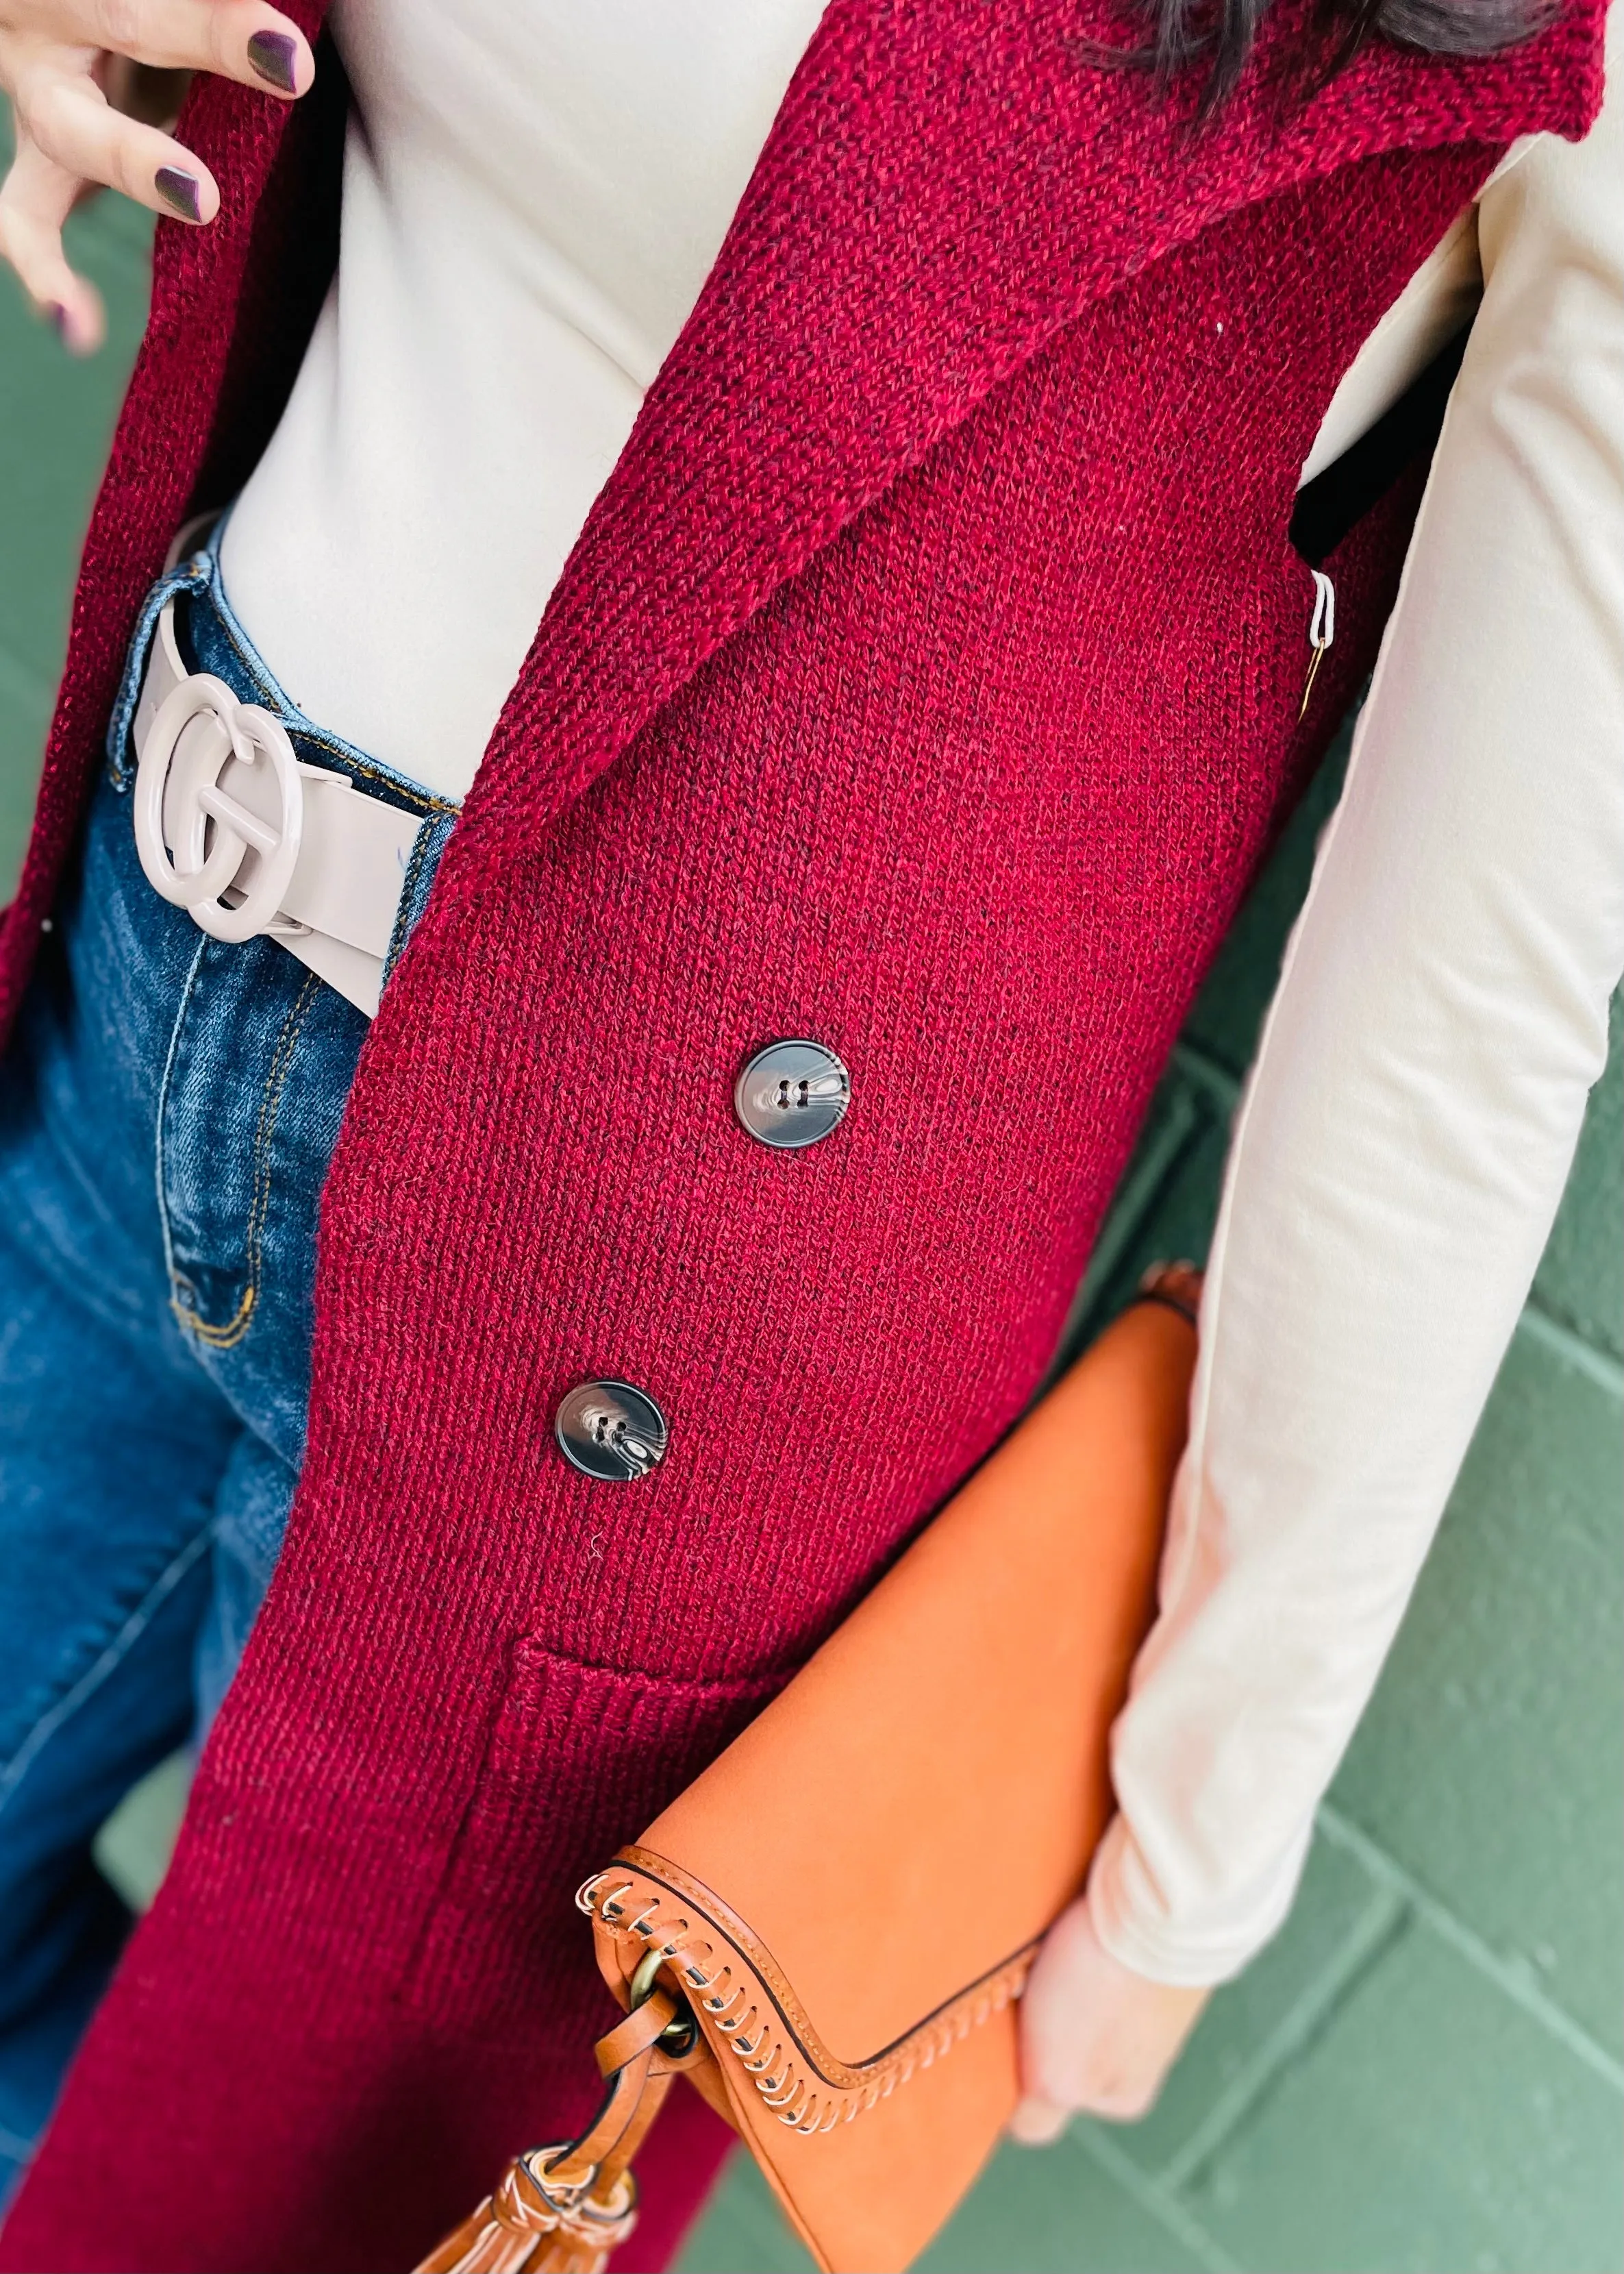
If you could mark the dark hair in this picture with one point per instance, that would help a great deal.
(1222, 33)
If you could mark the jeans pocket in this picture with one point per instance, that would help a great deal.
(223, 1094)
(580, 1759)
(258, 1071)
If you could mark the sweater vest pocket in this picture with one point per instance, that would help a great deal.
(579, 1760)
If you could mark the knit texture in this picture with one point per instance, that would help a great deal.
(925, 681)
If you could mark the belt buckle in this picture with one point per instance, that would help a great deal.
(199, 874)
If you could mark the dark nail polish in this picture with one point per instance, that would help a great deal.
(179, 192)
(58, 316)
(273, 55)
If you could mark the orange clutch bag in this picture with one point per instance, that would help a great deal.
(828, 1930)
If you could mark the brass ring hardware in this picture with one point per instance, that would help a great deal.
(680, 2033)
(643, 1981)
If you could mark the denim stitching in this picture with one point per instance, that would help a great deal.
(120, 773)
(429, 845)
(227, 1336)
(174, 1275)
(107, 1664)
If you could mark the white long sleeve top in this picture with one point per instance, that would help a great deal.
(533, 194)
(1411, 1118)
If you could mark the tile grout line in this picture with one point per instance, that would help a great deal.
(1208, 1073)
(1567, 1342)
(1165, 2210)
(1379, 1925)
(1506, 1975)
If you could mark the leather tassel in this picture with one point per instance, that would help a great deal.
(525, 2229)
(482, 2245)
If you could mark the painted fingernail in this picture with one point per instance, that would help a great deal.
(179, 192)
(274, 55)
(58, 317)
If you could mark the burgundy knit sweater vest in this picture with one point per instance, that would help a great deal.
(925, 682)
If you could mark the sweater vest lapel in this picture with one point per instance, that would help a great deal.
(946, 187)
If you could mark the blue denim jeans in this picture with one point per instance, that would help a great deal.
(166, 1114)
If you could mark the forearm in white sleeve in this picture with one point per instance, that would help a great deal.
(1406, 1131)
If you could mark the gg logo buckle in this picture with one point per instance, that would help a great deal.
(212, 832)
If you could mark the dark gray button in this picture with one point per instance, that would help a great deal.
(612, 1431)
(792, 1094)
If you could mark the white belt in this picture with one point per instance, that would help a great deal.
(230, 825)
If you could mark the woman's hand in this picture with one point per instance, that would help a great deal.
(57, 58)
(1095, 2037)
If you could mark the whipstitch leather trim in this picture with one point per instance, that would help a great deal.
(643, 1901)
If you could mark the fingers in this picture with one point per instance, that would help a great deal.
(35, 200)
(1096, 2037)
(1038, 2123)
(69, 137)
(241, 39)
(66, 118)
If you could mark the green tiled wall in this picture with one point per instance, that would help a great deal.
(1424, 2070)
